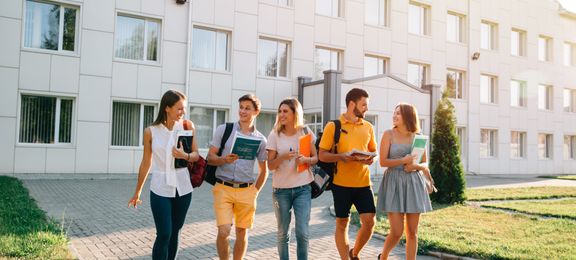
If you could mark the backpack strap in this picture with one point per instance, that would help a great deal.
(225, 137)
(337, 129)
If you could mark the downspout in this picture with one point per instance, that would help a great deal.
(469, 31)
(187, 66)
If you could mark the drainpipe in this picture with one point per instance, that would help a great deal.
(188, 48)
(469, 31)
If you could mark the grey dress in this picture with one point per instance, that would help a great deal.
(401, 191)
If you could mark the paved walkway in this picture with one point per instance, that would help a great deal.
(100, 225)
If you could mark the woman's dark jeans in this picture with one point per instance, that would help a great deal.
(169, 215)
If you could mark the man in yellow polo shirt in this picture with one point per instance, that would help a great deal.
(351, 185)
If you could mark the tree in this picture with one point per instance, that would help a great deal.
(445, 164)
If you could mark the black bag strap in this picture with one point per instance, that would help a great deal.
(225, 137)
(337, 129)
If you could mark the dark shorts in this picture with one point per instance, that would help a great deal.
(344, 197)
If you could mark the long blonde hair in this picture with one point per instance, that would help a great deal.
(296, 108)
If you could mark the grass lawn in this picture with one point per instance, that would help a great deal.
(520, 193)
(491, 234)
(565, 208)
(25, 231)
(562, 177)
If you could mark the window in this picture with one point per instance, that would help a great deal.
(328, 7)
(488, 143)
(570, 147)
(544, 48)
(129, 121)
(314, 121)
(518, 42)
(422, 125)
(45, 120)
(205, 121)
(545, 97)
(374, 65)
(265, 122)
(461, 132)
(518, 144)
(272, 58)
(45, 30)
(488, 35)
(376, 12)
(488, 89)
(545, 146)
(418, 19)
(518, 93)
(568, 56)
(137, 38)
(569, 100)
(373, 119)
(325, 59)
(417, 74)
(210, 49)
(279, 2)
(454, 26)
(455, 84)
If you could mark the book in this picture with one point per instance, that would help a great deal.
(184, 137)
(304, 150)
(246, 147)
(419, 147)
(362, 155)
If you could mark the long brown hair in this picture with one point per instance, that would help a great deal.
(168, 100)
(410, 117)
(296, 108)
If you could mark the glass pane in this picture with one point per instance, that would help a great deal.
(323, 63)
(221, 51)
(567, 54)
(125, 124)
(69, 38)
(37, 119)
(484, 142)
(152, 38)
(416, 19)
(542, 97)
(130, 38)
(514, 145)
(485, 89)
(148, 116)
(515, 43)
(541, 49)
(452, 30)
(265, 123)
(203, 48)
(566, 97)
(485, 36)
(220, 117)
(451, 82)
(567, 147)
(42, 25)
(514, 93)
(203, 119)
(267, 51)
(371, 12)
(370, 66)
(65, 135)
(324, 7)
(282, 59)
(541, 146)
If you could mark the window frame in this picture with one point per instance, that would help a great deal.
(493, 34)
(460, 27)
(549, 146)
(288, 58)
(146, 19)
(522, 144)
(424, 19)
(215, 124)
(460, 95)
(339, 9)
(548, 48)
(522, 46)
(385, 64)
(569, 60)
(522, 95)
(426, 71)
(492, 89)
(382, 21)
(571, 155)
(571, 100)
(461, 134)
(315, 126)
(228, 49)
(492, 145)
(339, 57)
(59, 97)
(141, 126)
(549, 98)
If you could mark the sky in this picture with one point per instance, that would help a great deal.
(569, 5)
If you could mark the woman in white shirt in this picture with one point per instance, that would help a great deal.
(170, 188)
(291, 189)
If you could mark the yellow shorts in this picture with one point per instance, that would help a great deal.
(235, 203)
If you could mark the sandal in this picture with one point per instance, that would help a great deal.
(350, 255)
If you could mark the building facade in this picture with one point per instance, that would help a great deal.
(81, 79)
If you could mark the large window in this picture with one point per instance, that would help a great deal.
(569, 100)
(454, 27)
(376, 12)
(50, 26)
(570, 147)
(545, 97)
(273, 58)
(518, 93)
(488, 89)
(418, 16)
(314, 121)
(265, 122)
(210, 49)
(461, 132)
(137, 38)
(328, 7)
(518, 144)
(488, 143)
(45, 120)
(455, 84)
(545, 146)
(205, 121)
(374, 65)
(325, 59)
(417, 74)
(488, 35)
(544, 48)
(129, 121)
(518, 42)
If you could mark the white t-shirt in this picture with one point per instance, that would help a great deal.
(286, 175)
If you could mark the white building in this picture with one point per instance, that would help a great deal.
(79, 79)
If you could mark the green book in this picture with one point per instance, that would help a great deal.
(419, 147)
(246, 147)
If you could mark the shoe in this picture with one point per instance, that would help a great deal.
(350, 255)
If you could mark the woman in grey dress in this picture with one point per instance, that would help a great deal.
(402, 193)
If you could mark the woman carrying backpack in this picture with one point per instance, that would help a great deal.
(291, 189)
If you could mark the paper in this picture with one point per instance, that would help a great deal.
(304, 149)
(362, 155)
(246, 147)
(419, 147)
(184, 137)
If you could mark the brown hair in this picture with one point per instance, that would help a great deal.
(355, 94)
(168, 100)
(410, 117)
(252, 98)
(296, 108)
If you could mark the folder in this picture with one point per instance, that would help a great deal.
(304, 149)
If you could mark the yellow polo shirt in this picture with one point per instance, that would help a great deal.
(354, 135)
